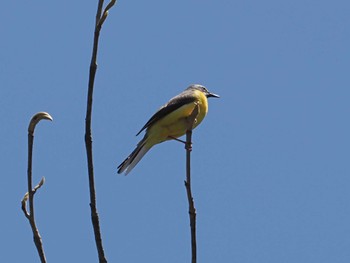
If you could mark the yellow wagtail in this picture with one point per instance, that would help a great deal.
(169, 122)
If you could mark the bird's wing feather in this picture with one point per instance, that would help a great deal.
(175, 103)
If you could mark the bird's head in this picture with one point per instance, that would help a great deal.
(204, 90)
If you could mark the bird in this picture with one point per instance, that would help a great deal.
(170, 122)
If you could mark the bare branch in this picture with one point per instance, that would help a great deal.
(191, 120)
(88, 137)
(29, 196)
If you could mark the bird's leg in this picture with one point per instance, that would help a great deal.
(187, 146)
(176, 139)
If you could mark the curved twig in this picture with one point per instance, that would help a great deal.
(31, 191)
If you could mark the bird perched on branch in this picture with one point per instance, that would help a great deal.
(169, 122)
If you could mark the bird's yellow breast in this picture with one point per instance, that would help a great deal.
(174, 124)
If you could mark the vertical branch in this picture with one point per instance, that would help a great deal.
(100, 18)
(192, 211)
(30, 194)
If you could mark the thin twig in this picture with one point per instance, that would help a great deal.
(30, 194)
(100, 18)
(192, 211)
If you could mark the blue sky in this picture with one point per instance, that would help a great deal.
(270, 168)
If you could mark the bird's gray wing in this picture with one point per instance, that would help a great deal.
(175, 103)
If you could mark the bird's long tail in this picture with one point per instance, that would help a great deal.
(129, 163)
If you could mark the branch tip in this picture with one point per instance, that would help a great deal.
(35, 120)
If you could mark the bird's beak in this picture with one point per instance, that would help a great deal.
(212, 95)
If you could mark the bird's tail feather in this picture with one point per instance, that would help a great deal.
(129, 163)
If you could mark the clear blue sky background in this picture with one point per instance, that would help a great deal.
(271, 172)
